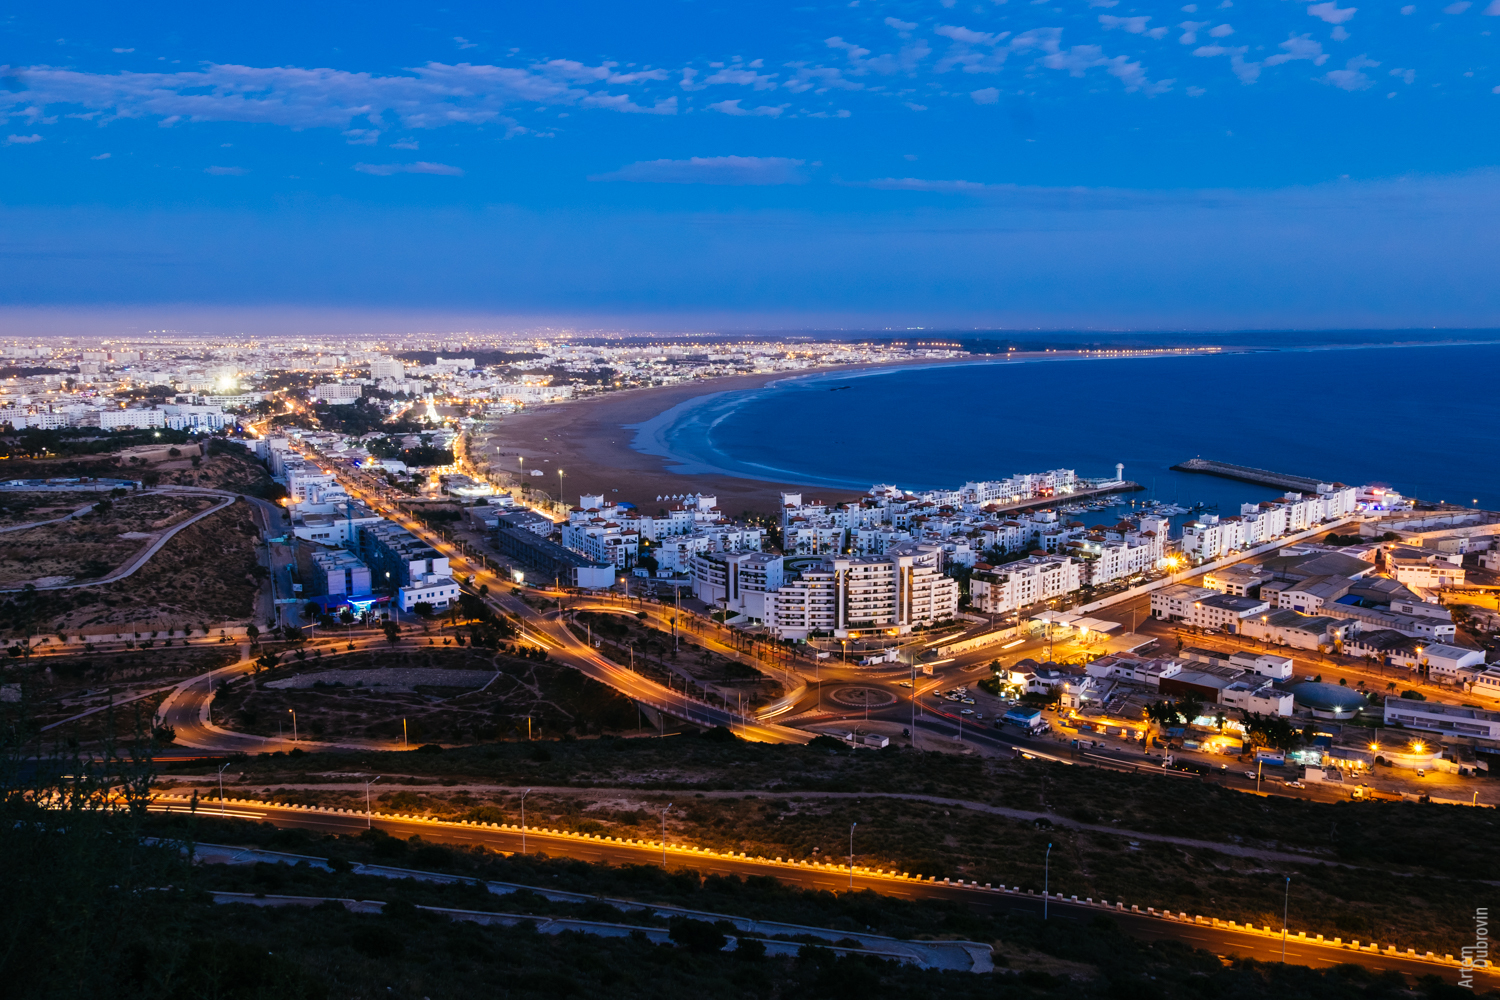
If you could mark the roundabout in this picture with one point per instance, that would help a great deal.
(861, 697)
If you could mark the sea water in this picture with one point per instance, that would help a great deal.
(1420, 419)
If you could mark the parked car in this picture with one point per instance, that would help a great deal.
(1250, 775)
(967, 711)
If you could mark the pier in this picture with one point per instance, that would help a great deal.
(1124, 486)
(1245, 474)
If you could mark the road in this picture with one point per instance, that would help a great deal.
(1217, 938)
(561, 645)
(142, 557)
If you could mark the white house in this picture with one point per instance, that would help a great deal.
(439, 591)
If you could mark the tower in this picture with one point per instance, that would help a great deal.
(1120, 471)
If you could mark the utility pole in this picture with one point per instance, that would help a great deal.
(221, 786)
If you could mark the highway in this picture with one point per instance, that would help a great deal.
(1216, 937)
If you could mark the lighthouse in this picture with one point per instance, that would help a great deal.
(1120, 471)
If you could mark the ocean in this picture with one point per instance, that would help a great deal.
(1424, 420)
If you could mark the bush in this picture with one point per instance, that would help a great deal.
(697, 936)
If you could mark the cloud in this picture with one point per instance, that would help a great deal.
(1457, 8)
(1493, 10)
(1220, 31)
(733, 108)
(913, 105)
(420, 167)
(917, 184)
(464, 43)
(1132, 25)
(819, 79)
(431, 96)
(1350, 77)
(361, 136)
(730, 170)
(743, 77)
(1081, 58)
(989, 95)
(1332, 12)
(905, 60)
(226, 171)
(22, 140)
(405, 144)
(121, 52)
(902, 26)
(1299, 47)
(101, 156)
(1190, 31)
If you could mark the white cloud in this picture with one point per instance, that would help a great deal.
(1133, 25)
(1081, 58)
(1407, 76)
(1457, 8)
(1339, 33)
(917, 184)
(1190, 31)
(988, 95)
(902, 26)
(101, 156)
(731, 170)
(429, 96)
(967, 36)
(733, 108)
(464, 43)
(1332, 12)
(361, 136)
(914, 105)
(420, 167)
(819, 79)
(1493, 10)
(744, 78)
(1409, 9)
(226, 171)
(1196, 91)
(1351, 76)
(1220, 31)
(905, 60)
(121, 52)
(1299, 47)
(22, 140)
(405, 144)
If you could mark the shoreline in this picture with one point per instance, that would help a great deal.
(591, 439)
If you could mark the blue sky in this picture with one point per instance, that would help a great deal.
(1094, 163)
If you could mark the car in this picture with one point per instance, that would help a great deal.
(978, 715)
(1250, 775)
(967, 711)
(968, 701)
(1295, 784)
(904, 684)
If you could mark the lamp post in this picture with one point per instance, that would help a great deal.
(294, 724)
(1285, 902)
(368, 812)
(851, 853)
(221, 786)
(523, 818)
(664, 835)
(1046, 879)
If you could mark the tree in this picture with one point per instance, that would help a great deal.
(392, 632)
(251, 632)
(266, 660)
(423, 608)
(1189, 706)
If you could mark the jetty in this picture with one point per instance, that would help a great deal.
(1123, 486)
(1245, 474)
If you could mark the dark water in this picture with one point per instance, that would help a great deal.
(1424, 420)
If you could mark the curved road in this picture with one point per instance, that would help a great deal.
(1216, 938)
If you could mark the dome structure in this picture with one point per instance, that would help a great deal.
(1328, 701)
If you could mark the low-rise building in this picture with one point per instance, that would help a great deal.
(1440, 717)
(548, 561)
(1174, 603)
(339, 574)
(1225, 611)
(1292, 628)
(432, 588)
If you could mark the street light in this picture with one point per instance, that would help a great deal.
(851, 853)
(372, 781)
(221, 786)
(523, 818)
(664, 835)
(294, 724)
(1285, 902)
(1046, 879)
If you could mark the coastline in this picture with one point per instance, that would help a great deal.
(592, 440)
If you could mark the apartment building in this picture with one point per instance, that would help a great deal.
(396, 557)
(1015, 585)
(843, 595)
(738, 582)
(339, 575)
(1174, 603)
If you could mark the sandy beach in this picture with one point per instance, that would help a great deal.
(588, 440)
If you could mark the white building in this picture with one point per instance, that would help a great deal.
(1000, 589)
(336, 393)
(439, 591)
(1174, 603)
(739, 582)
(382, 367)
(844, 595)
